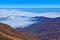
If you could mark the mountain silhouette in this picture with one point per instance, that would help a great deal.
(46, 30)
(8, 33)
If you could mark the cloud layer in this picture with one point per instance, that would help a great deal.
(17, 18)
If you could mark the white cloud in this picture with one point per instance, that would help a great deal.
(17, 20)
(5, 13)
(49, 14)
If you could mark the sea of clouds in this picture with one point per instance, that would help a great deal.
(17, 18)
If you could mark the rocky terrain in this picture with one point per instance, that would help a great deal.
(8, 33)
(46, 28)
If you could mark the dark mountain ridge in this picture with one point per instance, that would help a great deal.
(47, 30)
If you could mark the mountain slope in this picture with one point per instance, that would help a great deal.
(8, 33)
(47, 30)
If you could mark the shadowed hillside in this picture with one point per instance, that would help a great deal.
(49, 30)
(8, 33)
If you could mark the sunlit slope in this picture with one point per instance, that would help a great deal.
(8, 33)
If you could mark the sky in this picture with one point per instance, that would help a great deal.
(29, 3)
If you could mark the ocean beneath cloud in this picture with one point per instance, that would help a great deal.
(21, 17)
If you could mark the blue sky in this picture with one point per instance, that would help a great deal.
(29, 3)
